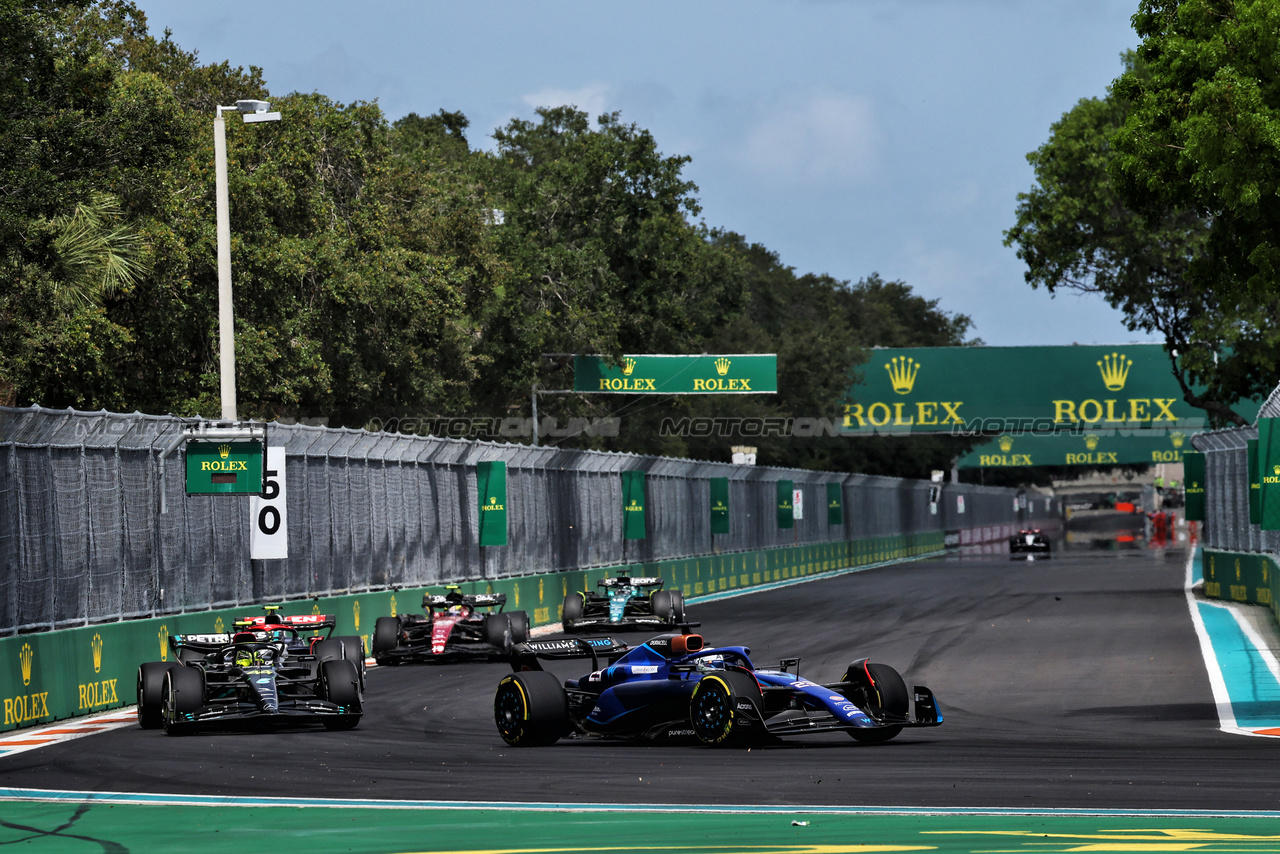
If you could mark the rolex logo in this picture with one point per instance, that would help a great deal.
(722, 366)
(1277, 471)
(628, 365)
(1115, 370)
(393, 604)
(1091, 442)
(1177, 438)
(224, 451)
(355, 612)
(25, 656)
(219, 626)
(1006, 444)
(902, 373)
(163, 634)
(96, 646)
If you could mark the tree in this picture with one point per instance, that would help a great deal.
(1202, 136)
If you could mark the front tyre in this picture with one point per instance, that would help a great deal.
(725, 709)
(571, 611)
(386, 637)
(183, 696)
(151, 693)
(886, 693)
(340, 684)
(519, 626)
(531, 709)
(663, 608)
(677, 605)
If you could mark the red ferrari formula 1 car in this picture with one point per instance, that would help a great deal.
(455, 627)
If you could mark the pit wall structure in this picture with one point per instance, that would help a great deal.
(49, 676)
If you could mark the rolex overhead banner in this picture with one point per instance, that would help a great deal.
(1081, 447)
(1255, 482)
(719, 505)
(491, 485)
(786, 491)
(633, 505)
(835, 504)
(756, 373)
(969, 390)
(1193, 483)
(1269, 472)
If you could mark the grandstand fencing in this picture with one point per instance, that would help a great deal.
(83, 538)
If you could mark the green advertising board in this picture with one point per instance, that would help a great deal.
(992, 390)
(224, 468)
(633, 505)
(654, 374)
(1269, 473)
(719, 505)
(1081, 447)
(491, 489)
(1255, 485)
(786, 514)
(1193, 483)
(835, 504)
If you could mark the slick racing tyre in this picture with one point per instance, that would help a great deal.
(183, 694)
(329, 649)
(340, 685)
(498, 631)
(725, 709)
(886, 691)
(531, 709)
(519, 626)
(663, 608)
(571, 611)
(353, 651)
(386, 636)
(677, 605)
(151, 693)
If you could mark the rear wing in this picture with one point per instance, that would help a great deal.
(634, 581)
(202, 643)
(527, 655)
(301, 622)
(476, 600)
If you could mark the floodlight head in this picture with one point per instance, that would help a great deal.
(253, 106)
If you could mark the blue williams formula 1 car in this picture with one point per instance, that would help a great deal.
(674, 688)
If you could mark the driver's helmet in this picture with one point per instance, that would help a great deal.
(705, 664)
(247, 657)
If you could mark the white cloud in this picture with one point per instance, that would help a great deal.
(592, 100)
(828, 138)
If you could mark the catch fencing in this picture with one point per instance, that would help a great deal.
(83, 538)
(1226, 525)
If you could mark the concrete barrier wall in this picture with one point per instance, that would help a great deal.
(1248, 578)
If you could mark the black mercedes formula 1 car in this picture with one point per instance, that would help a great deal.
(454, 628)
(674, 688)
(263, 676)
(628, 602)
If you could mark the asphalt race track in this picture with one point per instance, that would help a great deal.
(1070, 682)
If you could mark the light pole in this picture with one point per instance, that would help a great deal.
(253, 111)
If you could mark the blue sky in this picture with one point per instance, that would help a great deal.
(849, 136)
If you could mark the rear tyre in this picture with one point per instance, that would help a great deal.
(677, 605)
(497, 631)
(662, 607)
(519, 626)
(717, 713)
(887, 691)
(329, 649)
(183, 695)
(386, 637)
(571, 611)
(531, 709)
(353, 651)
(151, 693)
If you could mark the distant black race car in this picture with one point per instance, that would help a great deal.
(672, 688)
(454, 628)
(1029, 542)
(262, 676)
(628, 602)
